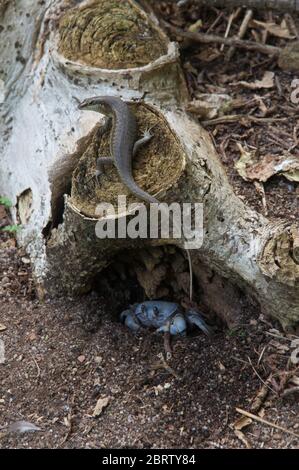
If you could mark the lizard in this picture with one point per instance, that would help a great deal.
(123, 146)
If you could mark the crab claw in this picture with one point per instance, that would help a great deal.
(176, 326)
(129, 319)
(194, 318)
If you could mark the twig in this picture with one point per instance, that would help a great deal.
(264, 421)
(238, 117)
(212, 38)
(291, 24)
(167, 345)
(277, 5)
(210, 28)
(167, 367)
(261, 191)
(257, 374)
(37, 366)
(278, 336)
(290, 391)
(241, 33)
(231, 18)
(240, 360)
(240, 435)
(261, 355)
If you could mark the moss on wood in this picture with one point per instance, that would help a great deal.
(157, 165)
(111, 34)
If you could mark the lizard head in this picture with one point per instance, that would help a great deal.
(97, 103)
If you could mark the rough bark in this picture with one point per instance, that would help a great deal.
(49, 145)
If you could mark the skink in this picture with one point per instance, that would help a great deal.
(123, 146)
(123, 141)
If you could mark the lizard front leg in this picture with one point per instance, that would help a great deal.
(100, 162)
(143, 140)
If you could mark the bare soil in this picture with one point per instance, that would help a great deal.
(62, 356)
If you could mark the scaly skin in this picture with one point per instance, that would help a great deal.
(123, 141)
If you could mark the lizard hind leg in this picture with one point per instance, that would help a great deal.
(101, 162)
(99, 167)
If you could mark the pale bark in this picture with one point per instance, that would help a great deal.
(44, 134)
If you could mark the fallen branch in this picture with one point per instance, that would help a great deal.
(234, 42)
(241, 33)
(290, 391)
(237, 118)
(264, 421)
(291, 6)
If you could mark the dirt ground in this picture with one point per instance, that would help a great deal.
(64, 357)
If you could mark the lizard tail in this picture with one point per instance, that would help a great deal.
(132, 186)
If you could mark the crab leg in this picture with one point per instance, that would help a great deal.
(167, 338)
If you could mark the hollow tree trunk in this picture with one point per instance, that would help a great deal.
(54, 56)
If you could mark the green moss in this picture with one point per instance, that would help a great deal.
(157, 166)
(109, 34)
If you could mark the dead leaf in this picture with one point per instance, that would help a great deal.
(295, 380)
(279, 346)
(266, 82)
(2, 327)
(261, 413)
(243, 439)
(208, 54)
(242, 423)
(279, 31)
(210, 105)
(287, 165)
(101, 404)
(267, 166)
(260, 397)
(245, 161)
(22, 426)
(195, 26)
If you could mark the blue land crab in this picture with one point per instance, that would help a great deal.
(167, 317)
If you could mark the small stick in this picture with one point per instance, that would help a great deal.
(264, 421)
(260, 378)
(167, 367)
(289, 391)
(213, 38)
(237, 117)
(241, 33)
(210, 28)
(167, 345)
(190, 275)
(261, 191)
(231, 18)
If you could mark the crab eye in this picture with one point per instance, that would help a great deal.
(156, 311)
